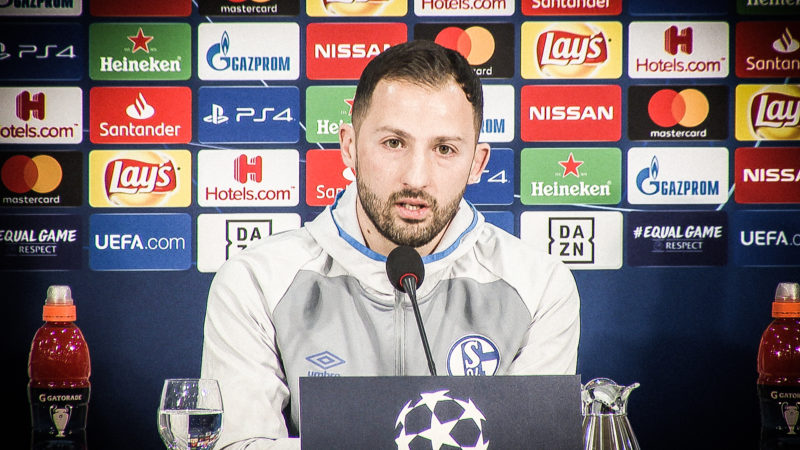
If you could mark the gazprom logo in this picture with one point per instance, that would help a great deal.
(648, 173)
(647, 182)
(213, 57)
(218, 59)
(473, 355)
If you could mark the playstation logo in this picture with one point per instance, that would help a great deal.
(217, 115)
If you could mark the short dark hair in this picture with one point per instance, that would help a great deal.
(424, 63)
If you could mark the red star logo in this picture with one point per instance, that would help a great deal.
(349, 102)
(140, 41)
(570, 166)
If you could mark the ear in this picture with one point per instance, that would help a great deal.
(479, 162)
(347, 145)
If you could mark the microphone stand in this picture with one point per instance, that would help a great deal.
(410, 285)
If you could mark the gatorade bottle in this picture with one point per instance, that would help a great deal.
(779, 372)
(59, 369)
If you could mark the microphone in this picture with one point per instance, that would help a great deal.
(406, 272)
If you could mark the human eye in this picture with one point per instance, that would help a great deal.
(393, 143)
(445, 150)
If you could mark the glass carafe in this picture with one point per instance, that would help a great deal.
(605, 416)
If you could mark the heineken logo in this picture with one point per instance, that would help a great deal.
(140, 51)
(567, 176)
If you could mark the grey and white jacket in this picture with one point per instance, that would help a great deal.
(317, 302)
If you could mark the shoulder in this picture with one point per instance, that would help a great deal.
(538, 277)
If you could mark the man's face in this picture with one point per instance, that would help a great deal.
(413, 155)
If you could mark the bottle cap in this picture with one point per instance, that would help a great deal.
(787, 300)
(58, 307)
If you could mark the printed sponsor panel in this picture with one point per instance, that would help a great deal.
(356, 8)
(768, 49)
(327, 108)
(41, 242)
(257, 8)
(48, 51)
(248, 51)
(571, 50)
(221, 236)
(427, 8)
(140, 242)
(496, 186)
(248, 114)
(140, 51)
(678, 112)
(41, 179)
(678, 175)
(41, 7)
(132, 8)
(340, 51)
(570, 175)
(140, 115)
(501, 219)
(678, 49)
(677, 238)
(248, 177)
(767, 7)
(485, 45)
(766, 238)
(570, 113)
(326, 176)
(584, 240)
(767, 175)
(768, 112)
(140, 178)
(41, 115)
(682, 7)
(499, 106)
(571, 8)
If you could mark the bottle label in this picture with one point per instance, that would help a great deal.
(59, 412)
(780, 411)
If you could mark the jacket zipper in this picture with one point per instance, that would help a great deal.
(399, 334)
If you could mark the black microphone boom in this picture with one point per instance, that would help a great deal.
(406, 272)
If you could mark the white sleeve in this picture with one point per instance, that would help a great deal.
(240, 352)
(551, 342)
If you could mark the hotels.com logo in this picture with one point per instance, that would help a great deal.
(340, 51)
(140, 115)
(767, 175)
(571, 113)
(681, 50)
(245, 169)
(30, 106)
(571, 50)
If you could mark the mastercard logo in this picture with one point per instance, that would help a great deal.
(687, 108)
(21, 174)
(476, 44)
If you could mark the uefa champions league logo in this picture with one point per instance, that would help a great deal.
(437, 420)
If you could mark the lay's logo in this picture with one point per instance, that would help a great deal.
(140, 178)
(571, 50)
(768, 112)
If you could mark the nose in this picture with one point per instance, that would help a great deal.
(416, 173)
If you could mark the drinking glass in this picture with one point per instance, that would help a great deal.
(190, 414)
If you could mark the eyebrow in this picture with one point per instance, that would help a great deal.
(406, 135)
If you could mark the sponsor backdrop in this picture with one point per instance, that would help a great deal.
(651, 145)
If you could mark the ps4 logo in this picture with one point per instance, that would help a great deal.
(24, 51)
(218, 117)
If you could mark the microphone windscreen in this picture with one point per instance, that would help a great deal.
(404, 261)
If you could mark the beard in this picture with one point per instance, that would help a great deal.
(413, 233)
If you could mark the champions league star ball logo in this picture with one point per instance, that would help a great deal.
(437, 421)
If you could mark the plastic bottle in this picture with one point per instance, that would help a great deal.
(59, 370)
(779, 372)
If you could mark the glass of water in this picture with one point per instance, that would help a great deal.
(190, 414)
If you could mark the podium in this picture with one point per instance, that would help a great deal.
(423, 412)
